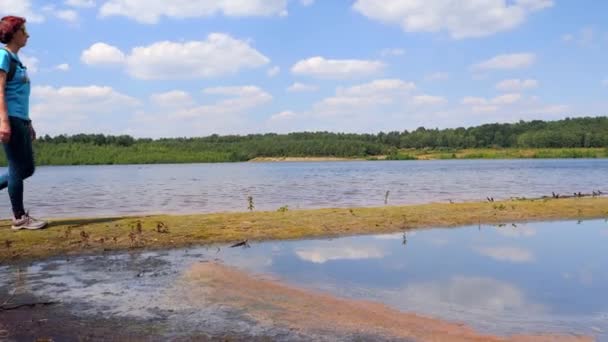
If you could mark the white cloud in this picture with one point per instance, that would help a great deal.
(220, 54)
(396, 236)
(465, 295)
(223, 110)
(323, 254)
(233, 91)
(78, 109)
(548, 109)
(80, 3)
(507, 62)
(30, 62)
(376, 87)
(516, 85)
(272, 72)
(337, 68)
(149, 12)
(428, 100)
(172, 99)
(102, 54)
(461, 19)
(499, 100)
(301, 87)
(483, 105)
(307, 2)
(373, 106)
(584, 36)
(22, 8)
(475, 101)
(392, 52)
(510, 254)
(284, 115)
(241, 99)
(517, 232)
(377, 92)
(63, 67)
(587, 35)
(437, 76)
(484, 109)
(506, 99)
(67, 15)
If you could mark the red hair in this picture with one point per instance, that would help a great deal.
(9, 25)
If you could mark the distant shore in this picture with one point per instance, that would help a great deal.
(57, 155)
(303, 159)
(470, 153)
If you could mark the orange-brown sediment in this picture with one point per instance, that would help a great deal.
(272, 302)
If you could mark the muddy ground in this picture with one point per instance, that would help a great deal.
(205, 301)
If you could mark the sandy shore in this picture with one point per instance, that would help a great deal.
(301, 159)
(82, 236)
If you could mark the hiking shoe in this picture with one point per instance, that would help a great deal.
(27, 222)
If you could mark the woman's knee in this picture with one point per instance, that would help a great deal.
(25, 171)
(29, 171)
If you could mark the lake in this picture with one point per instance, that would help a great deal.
(79, 191)
(542, 277)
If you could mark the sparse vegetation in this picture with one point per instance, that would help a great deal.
(94, 235)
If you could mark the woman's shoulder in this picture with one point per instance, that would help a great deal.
(4, 53)
(5, 59)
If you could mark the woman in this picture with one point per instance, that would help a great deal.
(16, 131)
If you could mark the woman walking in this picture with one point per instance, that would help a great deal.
(16, 131)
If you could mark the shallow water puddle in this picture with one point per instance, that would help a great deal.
(466, 283)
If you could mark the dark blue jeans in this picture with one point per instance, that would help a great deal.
(20, 156)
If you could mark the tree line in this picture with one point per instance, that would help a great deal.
(81, 149)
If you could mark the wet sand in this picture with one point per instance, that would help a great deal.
(214, 302)
(270, 302)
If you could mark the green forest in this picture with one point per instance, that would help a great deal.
(569, 136)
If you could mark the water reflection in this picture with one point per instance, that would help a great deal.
(338, 251)
(528, 278)
(510, 254)
(516, 231)
(486, 296)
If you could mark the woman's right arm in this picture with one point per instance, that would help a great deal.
(5, 126)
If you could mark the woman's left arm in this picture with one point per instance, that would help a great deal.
(32, 131)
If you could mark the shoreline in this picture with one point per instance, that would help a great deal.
(98, 235)
(401, 154)
(301, 159)
(459, 154)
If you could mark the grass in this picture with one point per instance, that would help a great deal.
(79, 236)
(505, 153)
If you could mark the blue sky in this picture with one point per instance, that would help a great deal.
(154, 68)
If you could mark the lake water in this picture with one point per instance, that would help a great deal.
(77, 191)
(545, 277)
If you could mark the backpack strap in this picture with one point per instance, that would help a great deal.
(12, 69)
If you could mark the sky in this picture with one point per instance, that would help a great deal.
(183, 68)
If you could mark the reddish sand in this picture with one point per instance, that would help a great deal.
(270, 302)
